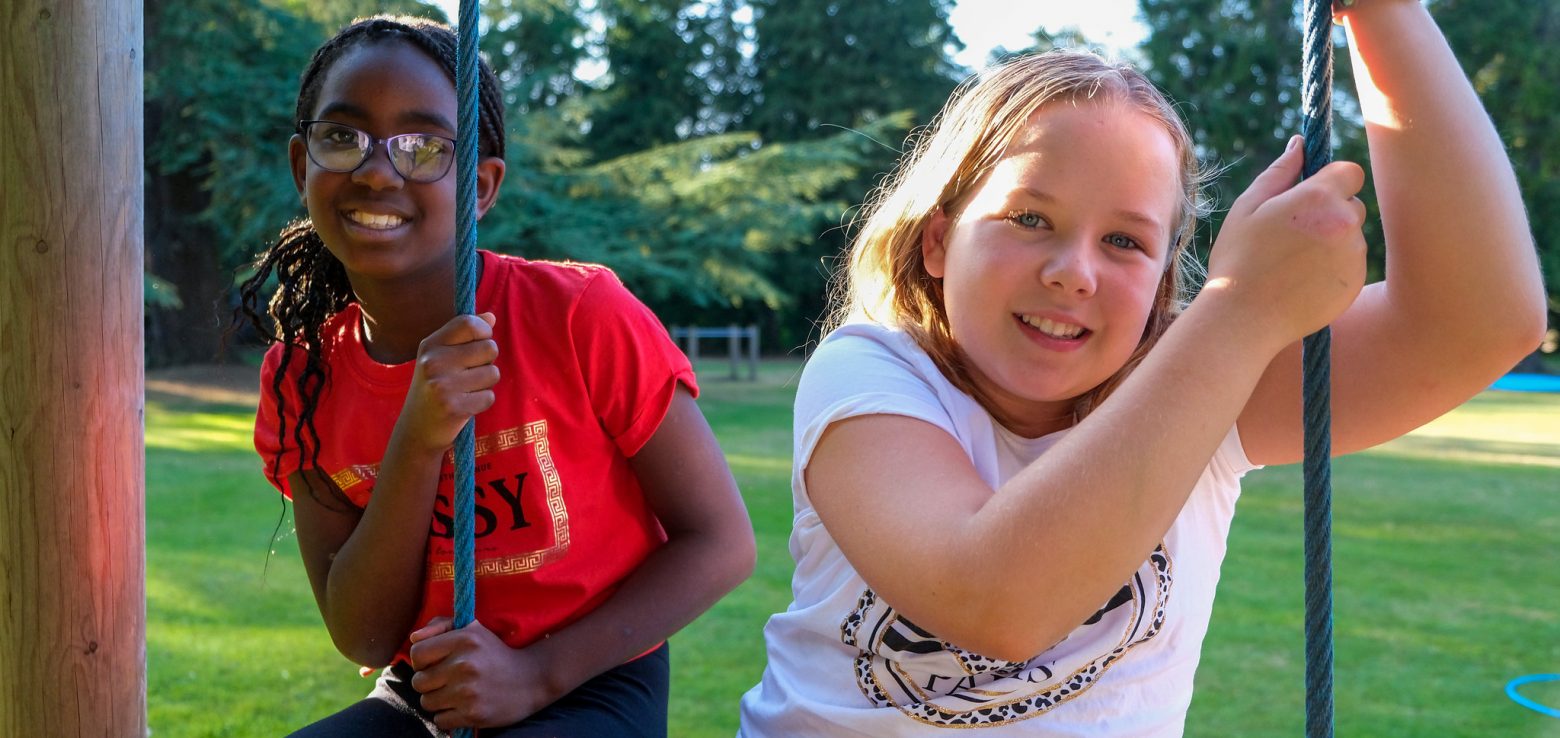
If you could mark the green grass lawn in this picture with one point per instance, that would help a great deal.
(1447, 569)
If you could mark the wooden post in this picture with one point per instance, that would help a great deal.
(72, 463)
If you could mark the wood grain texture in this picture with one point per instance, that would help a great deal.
(72, 463)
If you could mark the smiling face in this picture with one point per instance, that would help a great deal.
(1051, 265)
(380, 225)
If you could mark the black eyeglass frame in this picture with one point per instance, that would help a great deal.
(302, 128)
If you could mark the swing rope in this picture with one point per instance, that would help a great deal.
(465, 304)
(1316, 126)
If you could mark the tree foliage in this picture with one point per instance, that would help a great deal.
(844, 63)
(669, 70)
(1234, 70)
(823, 66)
(691, 226)
(642, 168)
(534, 47)
(1234, 67)
(711, 151)
(219, 84)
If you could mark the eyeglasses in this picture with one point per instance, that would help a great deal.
(419, 157)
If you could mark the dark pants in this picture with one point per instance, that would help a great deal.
(628, 701)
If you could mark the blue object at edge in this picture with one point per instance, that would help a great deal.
(1511, 691)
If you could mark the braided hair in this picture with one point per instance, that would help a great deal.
(311, 284)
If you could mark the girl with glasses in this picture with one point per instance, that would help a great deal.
(1018, 453)
(606, 517)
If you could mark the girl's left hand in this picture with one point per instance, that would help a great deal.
(471, 678)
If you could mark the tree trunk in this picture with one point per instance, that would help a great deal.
(72, 470)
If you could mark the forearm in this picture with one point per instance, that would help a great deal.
(375, 585)
(675, 584)
(1114, 485)
(1461, 266)
(708, 552)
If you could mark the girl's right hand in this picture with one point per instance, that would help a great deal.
(1293, 255)
(453, 381)
(469, 678)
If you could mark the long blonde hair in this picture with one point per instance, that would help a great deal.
(885, 280)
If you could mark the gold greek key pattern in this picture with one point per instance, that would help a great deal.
(354, 475)
(536, 436)
(503, 440)
(500, 567)
(346, 479)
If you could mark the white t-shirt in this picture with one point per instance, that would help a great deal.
(843, 663)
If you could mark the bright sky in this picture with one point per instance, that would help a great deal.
(985, 24)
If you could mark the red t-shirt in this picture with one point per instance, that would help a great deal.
(587, 374)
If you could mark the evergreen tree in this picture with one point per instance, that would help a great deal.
(534, 47)
(844, 63)
(692, 226)
(1234, 68)
(823, 65)
(220, 82)
(674, 68)
(653, 95)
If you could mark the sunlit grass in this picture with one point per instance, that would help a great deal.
(235, 646)
(1447, 584)
(198, 431)
(1445, 580)
(1515, 428)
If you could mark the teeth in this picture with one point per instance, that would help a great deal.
(1052, 328)
(375, 220)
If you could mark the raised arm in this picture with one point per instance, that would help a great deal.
(1463, 300)
(366, 567)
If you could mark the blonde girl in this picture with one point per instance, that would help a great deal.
(1018, 453)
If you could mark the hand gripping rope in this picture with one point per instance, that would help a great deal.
(466, 137)
(1316, 126)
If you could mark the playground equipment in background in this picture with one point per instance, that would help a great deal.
(741, 345)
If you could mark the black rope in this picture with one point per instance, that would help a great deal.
(1316, 107)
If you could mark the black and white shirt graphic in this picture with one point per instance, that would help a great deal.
(938, 683)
